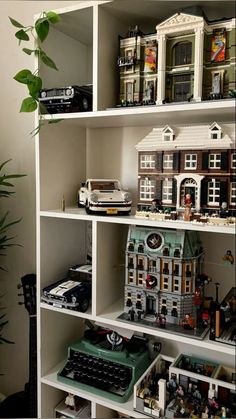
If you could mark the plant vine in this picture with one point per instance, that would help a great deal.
(38, 32)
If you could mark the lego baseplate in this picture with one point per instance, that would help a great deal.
(198, 333)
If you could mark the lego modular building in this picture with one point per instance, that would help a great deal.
(161, 269)
(187, 58)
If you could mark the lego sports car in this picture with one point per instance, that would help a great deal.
(105, 196)
(72, 292)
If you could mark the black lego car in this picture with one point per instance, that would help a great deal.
(73, 292)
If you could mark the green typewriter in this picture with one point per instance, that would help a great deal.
(106, 364)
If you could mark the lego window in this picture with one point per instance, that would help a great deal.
(174, 311)
(152, 266)
(183, 53)
(167, 189)
(214, 161)
(213, 193)
(176, 285)
(140, 264)
(147, 161)
(163, 307)
(188, 270)
(190, 161)
(187, 286)
(131, 277)
(233, 161)
(166, 268)
(130, 262)
(147, 189)
(233, 193)
(128, 301)
(140, 248)
(181, 87)
(216, 133)
(168, 161)
(165, 283)
(176, 270)
(140, 279)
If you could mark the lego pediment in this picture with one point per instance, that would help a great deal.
(179, 19)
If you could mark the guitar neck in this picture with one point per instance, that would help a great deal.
(33, 367)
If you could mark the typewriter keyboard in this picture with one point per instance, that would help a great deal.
(97, 372)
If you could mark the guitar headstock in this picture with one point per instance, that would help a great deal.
(28, 283)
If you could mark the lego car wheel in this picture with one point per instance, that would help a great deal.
(87, 208)
(84, 305)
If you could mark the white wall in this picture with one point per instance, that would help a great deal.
(16, 144)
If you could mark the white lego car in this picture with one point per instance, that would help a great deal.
(104, 195)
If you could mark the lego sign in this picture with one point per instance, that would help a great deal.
(218, 44)
(150, 59)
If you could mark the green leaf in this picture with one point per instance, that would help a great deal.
(42, 29)
(28, 51)
(48, 61)
(54, 121)
(4, 163)
(5, 340)
(42, 108)
(23, 76)
(29, 104)
(22, 35)
(15, 23)
(53, 17)
(35, 86)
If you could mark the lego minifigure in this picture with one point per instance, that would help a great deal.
(188, 205)
(161, 320)
(131, 314)
(155, 205)
(70, 401)
(223, 412)
(228, 257)
(188, 322)
(180, 391)
(224, 213)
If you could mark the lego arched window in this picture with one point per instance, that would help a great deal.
(131, 247)
(166, 251)
(215, 132)
(177, 253)
(141, 248)
(183, 53)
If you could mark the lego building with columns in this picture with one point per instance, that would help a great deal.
(188, 58)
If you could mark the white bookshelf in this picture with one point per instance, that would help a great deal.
(101, 144)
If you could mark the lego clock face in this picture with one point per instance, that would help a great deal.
(154, 241)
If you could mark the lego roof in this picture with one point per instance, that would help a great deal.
(188, 137)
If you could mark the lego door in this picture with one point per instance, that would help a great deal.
(150, 305)
(224, 395)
